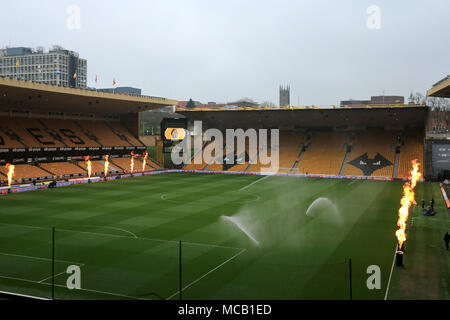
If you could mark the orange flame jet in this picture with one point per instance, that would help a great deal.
(145, 161)
(87, 159)
(11, 169)
(407, 201)
(132, 162)
(106, 164)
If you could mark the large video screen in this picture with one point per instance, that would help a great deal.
(440, 157)
(172, 132)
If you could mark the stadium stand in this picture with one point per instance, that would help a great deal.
(111, 166)
(50, 136)
(290, 147)
(8, 138)
(412, 147)
(325, 154)
(291, 144)
(43, 133)
(105, 135)
(258, 166)
(152, 165)
(46, 131)
(23, 171)
(242, 167)
(218, 166)
(368, 152)
(193, 166)
(149, 165)
(55, 133)
(98, 167)
(29, 132)
(70, 133)
(124, 164)
(62, 168)
(122, 132)
(196, 158)
(372, 143)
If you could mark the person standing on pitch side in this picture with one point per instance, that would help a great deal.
(447, 240)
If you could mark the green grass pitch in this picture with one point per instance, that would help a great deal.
(124, 235)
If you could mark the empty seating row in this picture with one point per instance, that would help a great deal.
(62, 168)
(65, 168)
(369, 153)
(199, 162)
(22, 171)
(413, 149)
(51, 133)
(325, 153)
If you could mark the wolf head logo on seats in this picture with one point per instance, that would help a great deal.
(369, 166)
(238, 147)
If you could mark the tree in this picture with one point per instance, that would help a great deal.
(190, 104)
(438, 103)
(419, 98)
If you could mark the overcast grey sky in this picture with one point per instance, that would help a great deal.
(225, 50)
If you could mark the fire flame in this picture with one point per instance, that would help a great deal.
(87, 159)
(132, 162)
(145, 161)
(106, 164)
(11, 169)
(406, 202)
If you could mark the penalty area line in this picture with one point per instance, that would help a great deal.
(206, 274)
(123, 236)
(50, 277)
(58, 274)
(249, 185)
(39, 258)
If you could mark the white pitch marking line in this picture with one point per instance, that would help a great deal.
(206, 274)
(120, 229)
(38, 258)
(127, 237)
(108, 227)
(56, 275)
(249, 185)
(82, 289)
(390, 275)
(52, 276)
(164, 197)
(23, 295)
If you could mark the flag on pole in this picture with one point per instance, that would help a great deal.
(114, 82)
(96, 78)
(39, 68)
(58, 72)
(17, 63)
(75, 75)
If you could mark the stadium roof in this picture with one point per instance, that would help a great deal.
(32, 96)
(398, 118)
(440, 89)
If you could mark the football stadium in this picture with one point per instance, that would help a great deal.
(354, 208)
